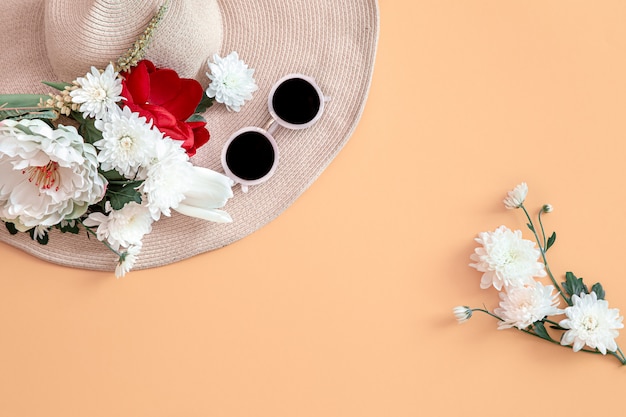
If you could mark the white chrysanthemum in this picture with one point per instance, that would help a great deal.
(122, 228)
(127, 143)
(98, 92)
(127, 260)
(167, 178)
(232, 82)
(516, 197)
(208, 191)
(46, 175)
(592, 323)
(462, 313)
(522, 306)
(506, 259)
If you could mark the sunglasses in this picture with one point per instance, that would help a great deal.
(250, 155)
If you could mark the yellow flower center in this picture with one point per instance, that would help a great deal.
(590, 323)
(126, 142)
(99, 94)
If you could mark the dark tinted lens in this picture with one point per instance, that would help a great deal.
(296, 101)
(250, 156)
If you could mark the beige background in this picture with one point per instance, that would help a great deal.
(342, 306)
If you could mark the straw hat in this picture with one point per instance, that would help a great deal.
(332, 41)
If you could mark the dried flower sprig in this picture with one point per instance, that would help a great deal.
(137, 52)
(510, 264)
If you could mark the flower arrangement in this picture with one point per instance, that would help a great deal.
(515, 266)
(109, 153)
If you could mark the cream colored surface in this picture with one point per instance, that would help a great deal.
(342, 305)
(93, 35)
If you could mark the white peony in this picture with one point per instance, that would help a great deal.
(522, 306)
(124, 227)
(127, 143)
(232, 82)
(516, 197)
(46, 175)
(592, 323)
(98, 92)
(506, 259)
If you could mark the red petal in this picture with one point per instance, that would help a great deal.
(138, 83)
(184, 103)
(126, 93)
(183, 133)
(164, 86)
(148, 64)
(201, 136)
(160, 116)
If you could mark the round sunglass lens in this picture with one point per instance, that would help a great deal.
(250, 156)
(296, 101)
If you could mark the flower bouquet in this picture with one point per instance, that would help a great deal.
(513, 266)
(109, 153)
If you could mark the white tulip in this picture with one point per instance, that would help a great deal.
(209, 191)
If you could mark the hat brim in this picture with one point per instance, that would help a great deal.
(333, 42)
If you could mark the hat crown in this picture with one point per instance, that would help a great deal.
(95, 32)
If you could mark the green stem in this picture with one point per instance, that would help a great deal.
(543, 232)
(543, 256)
(618, 354)
(89, 230)
(554, 323)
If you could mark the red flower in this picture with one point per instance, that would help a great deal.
(169, 101)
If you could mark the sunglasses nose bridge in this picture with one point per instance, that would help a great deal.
(271, 126)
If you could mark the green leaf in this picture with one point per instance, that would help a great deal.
(540, 330)
(46, 114)
(196, 118)
(59, 86)
(120, 194)
(89, 132)
(11, 228)
(597, 288)
(113, 175)
(551, 240)
(204, 104)
(24, 106)
(531, 227)
(69, 227)
(22, 100)
(574, 285)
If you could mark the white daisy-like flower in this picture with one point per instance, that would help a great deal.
(506, 259)
(516, 197)
(46, 175)
(121, 228)
(522, 306)
(462, 313)
(98, 92)
(128, 142)
(40, 232)
(127, 260)
(232, 82)
(592, 323)
(167, 178)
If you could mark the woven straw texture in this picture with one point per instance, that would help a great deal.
(334, 42)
